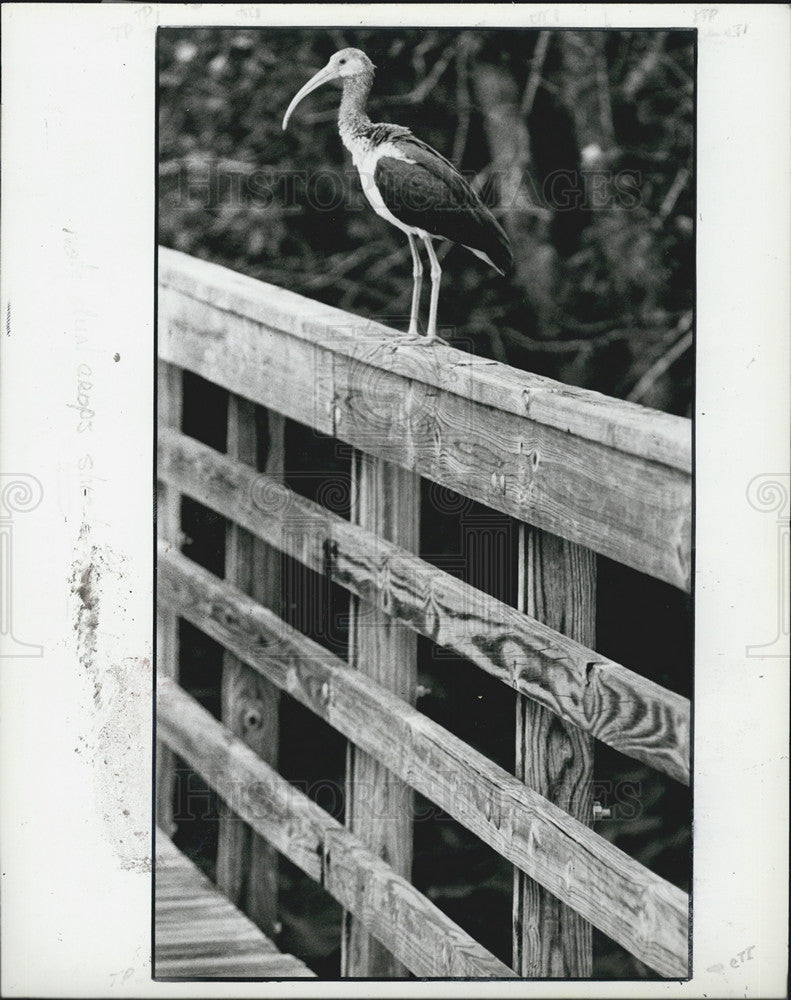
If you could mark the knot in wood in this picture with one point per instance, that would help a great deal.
(498, 482)
(252, 718)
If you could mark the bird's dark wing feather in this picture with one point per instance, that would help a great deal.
(429, 193)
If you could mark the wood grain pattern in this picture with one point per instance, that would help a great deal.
(247, 866)
(602, 698)
(602, 473)
(379, 807)
(199, 934)
(169, 414)
(626, 427)
(557, 585)
(410, 926)
(641, 911)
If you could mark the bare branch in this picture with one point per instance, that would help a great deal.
(534, 80)
(670, 199)
(644, 70)
(427, 84)
(662, 364)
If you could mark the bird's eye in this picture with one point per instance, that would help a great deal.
(341, 61)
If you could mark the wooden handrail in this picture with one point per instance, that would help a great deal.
(629, 712)
(415, 930)
(637, 908)
(606, 474)
(580, 472)
(628, 427)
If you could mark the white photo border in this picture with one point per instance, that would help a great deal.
(78, 230)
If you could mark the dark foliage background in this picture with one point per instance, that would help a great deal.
(582, 144)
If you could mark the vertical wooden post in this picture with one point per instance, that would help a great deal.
(379, 807)
(169, 412)
(247, 866)
(557, 585)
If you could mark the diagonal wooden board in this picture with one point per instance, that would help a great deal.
(608, 475)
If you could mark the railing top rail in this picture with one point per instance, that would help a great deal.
(599, 472)
(617, 424)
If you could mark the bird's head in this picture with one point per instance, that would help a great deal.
(343, 65)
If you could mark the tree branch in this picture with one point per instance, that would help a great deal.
(662, 364)
(536, 66)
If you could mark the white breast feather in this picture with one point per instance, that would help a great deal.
(365, 157)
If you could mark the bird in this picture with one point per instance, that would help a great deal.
(409, 184)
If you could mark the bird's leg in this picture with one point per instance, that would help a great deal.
(436, 278)
(417, 278)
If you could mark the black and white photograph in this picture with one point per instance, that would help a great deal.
(426, 376)
(394, 500)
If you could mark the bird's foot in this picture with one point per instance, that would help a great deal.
(430, 341)
(420, 341)
(412, 336)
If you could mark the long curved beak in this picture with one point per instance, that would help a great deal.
(323, 76)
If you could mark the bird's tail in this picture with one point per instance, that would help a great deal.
(502, 268)
(500, 253)
(493, 245)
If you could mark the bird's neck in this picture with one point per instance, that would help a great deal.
(352, 119)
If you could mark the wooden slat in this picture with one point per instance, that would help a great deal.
(605, 474)
(415, 930)
(379, 807)
(247, 866)
(633, 429)
(630, 713)
(169, 414)
(557, 585)
(641, 911)
(199, 934)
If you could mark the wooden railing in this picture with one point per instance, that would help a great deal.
(584, 474)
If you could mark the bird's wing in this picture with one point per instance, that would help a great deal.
(426, 191)
(435, 161)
